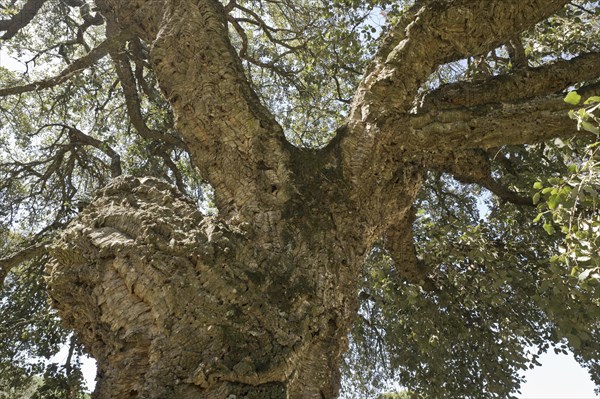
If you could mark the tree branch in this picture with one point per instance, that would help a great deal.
(489, 126)
(236, 142)
(75, 68)
(430, 34)
(474, 167)
(516, 52)
(173, 167)
(520, 84)
(132, 101)
(437, 33)
(20, 19)
(398, 240)
(76, 136)
(7, 263)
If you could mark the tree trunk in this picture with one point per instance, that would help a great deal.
(175, 305)
(258, 301)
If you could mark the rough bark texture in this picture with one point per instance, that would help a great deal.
(172, 304)
(257, 303)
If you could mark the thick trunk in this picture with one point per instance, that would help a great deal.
(174, 305)
(258, 302)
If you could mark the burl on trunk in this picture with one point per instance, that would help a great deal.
(173, 304)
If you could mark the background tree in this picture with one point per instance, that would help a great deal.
(397, 178)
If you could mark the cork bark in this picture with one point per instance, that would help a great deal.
(257, 302)
(174, 304)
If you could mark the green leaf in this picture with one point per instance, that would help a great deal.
(572, 114)
(574, 340)
(553, 202)
(538, 185)
(572, 98)
(546, 190)
(593, 99)
(574, 271)
(589, 127)
(549, 228)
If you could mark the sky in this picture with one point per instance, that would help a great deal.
(559, 377)
(9, 62)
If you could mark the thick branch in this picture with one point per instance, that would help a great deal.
(492, 126)
(236, 143)
(7, 263)
(399, 242)
(520, 84)
(431, 33)
(75, 68)
(132, 101)
(20, 19)
(437, 33)
(474, 167)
